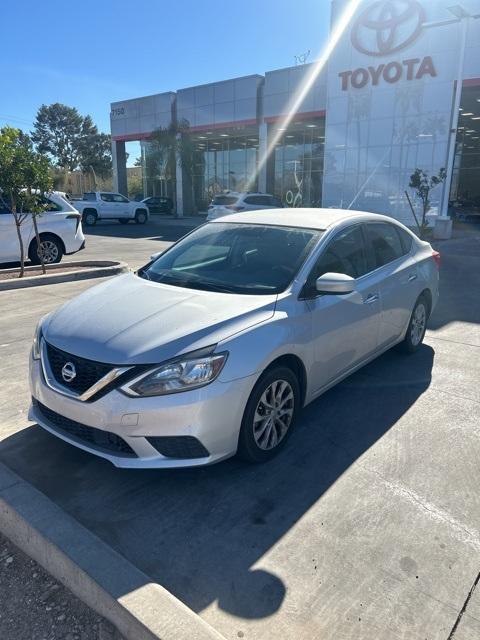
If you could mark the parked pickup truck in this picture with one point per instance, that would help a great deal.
(104, 205)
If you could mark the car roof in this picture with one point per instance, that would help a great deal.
(312, 218)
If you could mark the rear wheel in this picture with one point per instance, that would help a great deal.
(417, 326)
(141, 216)
(51, 247)
(89, 217)
(270, 415)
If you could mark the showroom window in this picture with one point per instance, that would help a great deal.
(298, 164)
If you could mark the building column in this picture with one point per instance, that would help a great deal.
(262, 156)
(119, 167)
(179, 185)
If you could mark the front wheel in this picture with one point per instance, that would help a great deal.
(270, 415)
(141, 217)
(51, 248)
(416, 327)
(89, 218)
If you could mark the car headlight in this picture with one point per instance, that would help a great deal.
(180, 374)
(37, 337)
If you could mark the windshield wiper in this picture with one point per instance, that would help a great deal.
(208, 285)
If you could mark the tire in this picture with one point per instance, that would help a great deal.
(141, 216)
(52, 250)
(124, 220)
(256, 442)
(416, 327)
(90, 218)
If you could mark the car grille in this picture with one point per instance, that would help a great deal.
(94, 438)
(180, 447)
(88, 372)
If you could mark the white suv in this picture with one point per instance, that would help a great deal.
(60, 229)
(230, 202)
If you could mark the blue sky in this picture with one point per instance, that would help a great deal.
(90, 53)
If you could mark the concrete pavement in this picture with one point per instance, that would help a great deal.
(365, 527)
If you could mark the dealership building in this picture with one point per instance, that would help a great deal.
(401, 91)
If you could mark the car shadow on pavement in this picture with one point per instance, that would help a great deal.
(199, 532)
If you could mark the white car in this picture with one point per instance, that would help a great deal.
(60, 229)
(225, 204)
(215, 346)
(105, 205)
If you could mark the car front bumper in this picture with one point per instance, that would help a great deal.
(211, 415)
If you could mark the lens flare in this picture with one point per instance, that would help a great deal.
(300, 95)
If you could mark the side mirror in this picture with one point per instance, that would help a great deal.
(335, 284)
(154, 256)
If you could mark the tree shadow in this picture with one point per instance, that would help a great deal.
(199, 532)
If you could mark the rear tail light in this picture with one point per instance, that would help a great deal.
(437, 258)
(75, 216)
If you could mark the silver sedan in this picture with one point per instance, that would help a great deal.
(215, 346)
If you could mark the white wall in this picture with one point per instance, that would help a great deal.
(378, 134)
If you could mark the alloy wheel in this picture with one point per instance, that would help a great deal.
(273, 414)
(49, 250)
(417, 328)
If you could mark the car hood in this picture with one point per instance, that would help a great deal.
(128, 320)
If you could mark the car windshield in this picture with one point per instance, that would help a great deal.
(235, 258)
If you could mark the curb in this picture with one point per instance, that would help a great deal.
(99, 269)
(107, 582)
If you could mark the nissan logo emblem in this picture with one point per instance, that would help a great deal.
(68, 371)
(387, 26)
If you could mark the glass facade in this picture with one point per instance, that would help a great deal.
(223, 161)
(157, 172)
(465, 189)
(298, 163)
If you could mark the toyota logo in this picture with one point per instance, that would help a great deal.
(68, 371)
(387, 26)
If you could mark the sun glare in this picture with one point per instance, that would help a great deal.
(297, 99)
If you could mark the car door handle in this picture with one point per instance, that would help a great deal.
(412, 277)
(372, 297)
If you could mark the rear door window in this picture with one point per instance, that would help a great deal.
(405, 238)
(262, 201)
(49, 205)
(224, 200)
(385, 244)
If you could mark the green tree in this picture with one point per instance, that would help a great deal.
(25, 177)
(422, 184)
(71, 140)
(134, 186)
(96, 154)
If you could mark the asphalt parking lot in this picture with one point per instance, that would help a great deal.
(133, 243)
(366, 527)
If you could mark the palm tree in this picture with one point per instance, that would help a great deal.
(170, 145)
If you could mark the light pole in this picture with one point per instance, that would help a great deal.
(462, 16)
